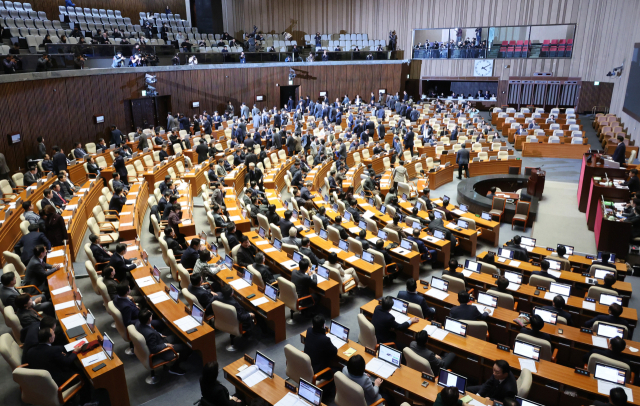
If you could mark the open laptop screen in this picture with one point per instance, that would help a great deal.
(389, 355)
(609, 330)
(527, 350)
(447, 378)
(610, 374)
(309, 392)
(440, 284)
(547, 315)
(455, 326)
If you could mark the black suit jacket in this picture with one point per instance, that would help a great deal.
(246, 256)
(152, 337)
(320, 349)
(30, 179)
(606, 318)
(205, 298)
(384, 324)
(285, 225)
(265, 272)
(117, 202)
(36, 274)
(519, 253)
(203, 153)
(189, 258)
(497, 390)
(128, 309)
(537, 334)
(303, 283)
(544, 274)
(99, 253)
(28, 242)
(173, 245)
(415, 297)
(467, 312)
(121, 266)
(59, 162)
(54, 359)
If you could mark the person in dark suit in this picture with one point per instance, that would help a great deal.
(24, 308)
(462, 159)
(558, 307)
(633, 183)
(59, 160)
(24, 247)
(31, 176)
(246, 253)
(120, 167)
(9, 293)
(604, 260)
(614, 350)
(615, 310)
(617, 397)
(337, 221)
(385, 324)
(202, 151)
(124, 302)
(437, 362)
(54, 359)
(544, 267)
(232, 238)
(213, 391)
(305, 248)
(205, 297)
(619, 155)
(245, 317)
(304, 279)
(156, 342)
(172, 243)
(57, 197)
(408, 139)
(500, 386)
(267, 276)
(519, 253)
(536, 325)
(122, 266)
(285, 224)
(353, 209)
(411, 295)
(38, 270)
(635, 222)
(118, 200)
(466, 311)
(191, 255)
(425, 254)
(318, 346)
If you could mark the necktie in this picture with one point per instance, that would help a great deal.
(61, 198)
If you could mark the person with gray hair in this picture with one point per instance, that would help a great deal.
(292, 238)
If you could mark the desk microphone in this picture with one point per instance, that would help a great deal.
(606, 176)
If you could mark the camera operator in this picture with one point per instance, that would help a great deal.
(9, 64)
(393, 40)
(193, 60)
(44, 63)
(175, 61)
(78, 61)
(152, 60)
(118, 60)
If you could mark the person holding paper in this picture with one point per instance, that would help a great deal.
(449, 396)
(38, 270)
(536, 325)
(157, 342)
(385, 323)
(213, 391)
(466, 311)
(501, 385)
(544, 267)
(614, 351)
(615, 310)
(354, 370)
(617, 397)
(318, 346)
(558, 307)
(53, 359)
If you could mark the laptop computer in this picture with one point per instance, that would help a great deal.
(549, 316)
(406, 244)
(505, 253)
(472, 266)
(486, 216)
(560, 289)
(526, 402)
(262, 232)
(439, 234)
(277, 244)
(343, 245)
(174, 292)
(271, 292)
(609, 330)
(296, 257)
(338, 334)
(440, 284)
(448, 378)
(464, 208)
(463, 224)
(389, 355)
(487, 299)
(606, 299)
(363, 225)
(438, 214)
(197, 313)
(323, 234)
(265, 364)
(553, 264)
(383, 209)
(107, 345)
(455, 326)
(347, 216)
(367, 256)
(610, 373)
(399, 310)
(527, 350)
(418, 206)
(382, 235)
(308, 393)
(601, 273)
(514, 278)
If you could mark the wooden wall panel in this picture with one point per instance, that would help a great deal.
(62, 110)
(128, 8)
(591, 96)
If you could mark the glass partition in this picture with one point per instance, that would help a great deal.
(534, 41)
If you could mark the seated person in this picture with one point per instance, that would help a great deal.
(345, 274)
(291, 238)
(205, 297)
(245, 317)
(191, 254)
(246, 253)
(609, 281)
(544, 267)
(443, 207)
(157, 342)
(419, 346)
(500, 386)
(536, 325)
(519, 253)
(8, 295)
(449, 396)
(120, 264)
(305, 248)
(286, 224)
(118, 200)
(385, 324)
(172, 242)
(614, 350)
(604, 260)
(492, 192)
(354, 370)
(337, 225)
(466, 311)
(617, 397)
(558, 307)
(501, 285)
(425, 254)
(267, 276)
(391, 272)
(99, 253)
(215, 393)
(411, 295)
(615, 310)
(452, 270)
(23, 305)
(318, 346)
(396, 227)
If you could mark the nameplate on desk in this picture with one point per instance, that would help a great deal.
(249, 359)
(495, 275)
(428, 377)
(503, 347)
(590, 299)
(586, 330)
(290, 387)
(425, 283)
(491, 253)
(589, 256)
(542, 288)
(370, 351)
(550, 249)
(436, 324)
(582, 371)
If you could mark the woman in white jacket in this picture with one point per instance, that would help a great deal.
(345, 274)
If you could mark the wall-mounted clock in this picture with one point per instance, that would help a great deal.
(483, 67)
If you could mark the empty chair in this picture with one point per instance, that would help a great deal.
(524, 382)
(522, 214)
(10, 351)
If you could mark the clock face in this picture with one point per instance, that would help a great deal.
(483, 67)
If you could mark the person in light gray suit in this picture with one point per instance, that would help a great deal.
(244, 111)
(354, 370)
(462, 159)
(291, 239)
(400, 174)
(170, 122)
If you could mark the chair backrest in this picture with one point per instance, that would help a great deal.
(456, 285)
(624, 328)
(477, 329)
(139, 346)
(595, 292)
(257, 277)
(348, 393)
(355, 246)
(13, 323)
(93, 275)
(415, 361)
(498, 203)
(117, 318)
(367, 334)
(333, 234)
(489, 268)
(537, 280)
(415, 310)
(524, 383)
(505, 300)
(288, 293)
(298, 364)
(14, 259)
(545, 351)
(36, 386)
(102, 288)
(601, 359)
(592, 270)
(226, 318)
(10, 351)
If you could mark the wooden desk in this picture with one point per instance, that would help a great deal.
(611, 236)
(596, 191)
(111, 378)
(546, 150)
(83, 203)
(520, 140)
(158, 172)
(587, 171)
(107, 173)
(493, 167)
(132, 214)
(197, 176)
(578, 262)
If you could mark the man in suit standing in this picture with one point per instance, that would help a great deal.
(59, 160)
(31, 176)
(462, 159)
(466, 311)
(619, 155)
(205, 297)
(42, 149)
(28, 242)
(501, 385)
(116, 136)
(156, 342)
(304, 279)
(408, 139)
(120, 167)
(38, 270)
(318, 346)
(411, 295)
(385, 324)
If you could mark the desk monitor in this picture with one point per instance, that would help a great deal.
(326, 198)
(271, 292)
(309, 393)
(404, 197)
(214, 249)
(362, 224)
(107, 345)
(324, 272)
(529, 242)
(569, 248)
(505, 253)
(601, 273)
(285, 204)
(383, 209)
(294, 214)
(399, 305)
(248, 277)
(439, 284)
(297, 257)
(277, 244)
(228, 262)
(339, 331)
(609, 330)
(197, 313)
(488, 299)
(527, 350)
(438, 214)
(513, 277)
(347, 215)
(486, 216)
(448, 378)
(416, 225)
(464, 208)
(382, 235)
(526, 402)
(455, 326)
(91, 321)
(406, 244)
(265, 364)
(324, 235)
(343, 245)
(445, 197)
(612, 257)
(262, 232)
(174, 292)
(156, 273)
(306, 223)
(371, 202)
(553, 264)
(549, 316)
(439, 234)
(418, 206)
(463, 224)
(335, 207)
(472, 266)
(390, 355)
(367, 256)
(608, 299)
(561, 289)
(610, 373)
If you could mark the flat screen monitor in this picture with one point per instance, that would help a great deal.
(214, 249)
(472, 266)
(262, 232)
(390, 355)
(513, 277)
(418, 206)
(455, 326)
(553, 264)
(401, 306)
(548, 316)
(528, 242)
(448, 378)
(309, 393)
(265, 364)
(486, 216)
(371, 202)
(439, 284)
(505, 253)
(339, 331)
(294, 214)
(569, 248)
(526, 402)
(601, 273)
(228, 262)
(197, 313)
(610, 373)
(438, 214)
(107, 345)
(439, 234)
(277, 244)
(324, 235)
(606, 299)
(335, 207)
(406, 244)
(91, 321)
(324, 272)
(383, 209)
(296, 257)
(487, 299)
(367, 256)
(248, 277)
(156, 273)
(271, 292)
(174, 292)
(560, 289)
(463, 224)
(382, 235)
(307, 223)
(464, 208)
(362, 224)
(343, 245)
(527, 350)
(609, 330)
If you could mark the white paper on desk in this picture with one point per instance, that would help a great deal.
(500, 259)
(467, 273)
(132, 248)
(438, 202)
(605, 387)
(290, 264)
(337, 342)
(262, 242)
(124, 213)
(235, 218)
(158, 297)
(368, 214)
(251, 376)
(70, 206)
(588, 305)
(186, 323)
(513, 286)
(354, 230)
(482, 308)
(600, 341)
(373, 239)
(239, 284)
(320, 278)
(439, 334)
(56, 253)
(352, 259)
(380, 368)
(451, 225)
(258, 302)
(474, 402)
(437, 293)
(458, 212)
(632, 349)
(281, 209)
(399, 317)
(336, 250)
(73, 321)
(270, 250)
(127, 225)
(408, 230)
(528, 364)
(514, 263)
(311, 235)
(529, 249)
(146, 281)
(64, 305)
(94, 359)
(553, 273)
(290, 400)
(400, 251)
(69, 347)
(130, 201)
(61, 290)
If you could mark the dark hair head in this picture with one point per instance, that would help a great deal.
(227, 291)
(26, 205)
(562, 251)
(7, 278)
(204, 255)
(287, 214)
(39, 249)
(108, 272)
(503, 365)
(517, 239)
(453, 265)
(615, 309)
(318, 323)
(422, 337)
(463, 297)
(411, 285)
(44, 334)
(449, 396)
(396, 219)
(544, 265)
(121, 248)
(617, 344)
(210, 373)
(618, 396)
(144, 316)
(123, 288)
(605, 256)
(609, 280)
(536, 323)
(47, 322)
(194, 243)
(386, 303)
(356, 365)
(502, 283)
(195, 279)
(303, 265)
(22, 300)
